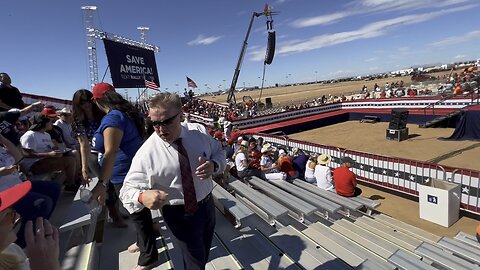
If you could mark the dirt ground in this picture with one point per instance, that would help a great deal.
(300, 93)
(423, 144)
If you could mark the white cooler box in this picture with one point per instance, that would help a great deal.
(439, 201)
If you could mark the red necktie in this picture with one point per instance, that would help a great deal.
(189, 195)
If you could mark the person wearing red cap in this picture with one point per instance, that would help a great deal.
(42, 244)
(119, 136)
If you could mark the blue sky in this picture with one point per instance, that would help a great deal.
(44, 44)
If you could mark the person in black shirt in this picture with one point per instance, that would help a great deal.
(9, 118)
(10, 96)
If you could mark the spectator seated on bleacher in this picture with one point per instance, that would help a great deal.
(243, 169)
(269, 168)
(345, 180)
(253, 154)
(299, 159)
(41, 156)
(64, 122)
(310, 169)
(285, 165)
(10, 119)
(40, 201)
(10, 96)
(323, 174)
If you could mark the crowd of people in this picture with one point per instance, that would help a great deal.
(162, 161)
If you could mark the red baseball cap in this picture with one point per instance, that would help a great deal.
(49, 111)
(10, 196)
(100, 89)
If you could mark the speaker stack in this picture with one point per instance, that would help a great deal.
(268, 103)
(397, 128)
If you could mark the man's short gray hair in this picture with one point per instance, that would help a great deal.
(165, 98)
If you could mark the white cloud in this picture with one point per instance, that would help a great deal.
(370, 6)
(371, 59)
(320, 20)
(460, 56)
(203, 40)
(457, 39)
(371, 30)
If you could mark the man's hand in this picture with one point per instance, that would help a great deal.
(205, 169)
(42, 245)
(154, 199)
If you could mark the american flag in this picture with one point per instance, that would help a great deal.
(191, 83)
(151, 85)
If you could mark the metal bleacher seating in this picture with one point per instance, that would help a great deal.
(297, 206)
(250, 234)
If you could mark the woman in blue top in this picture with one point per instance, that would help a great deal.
(117, 139)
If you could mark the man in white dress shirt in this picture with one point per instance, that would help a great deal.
(156, 180)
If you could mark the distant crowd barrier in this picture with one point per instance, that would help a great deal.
(399, 174)
(391, 103)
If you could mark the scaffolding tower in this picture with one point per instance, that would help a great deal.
(93, 34)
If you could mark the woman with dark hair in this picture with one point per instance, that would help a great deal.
(86, 119)
(119, 136)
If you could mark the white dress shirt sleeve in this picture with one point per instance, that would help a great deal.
(136, 181)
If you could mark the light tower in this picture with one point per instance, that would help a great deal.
(143, 33)
(88, 12)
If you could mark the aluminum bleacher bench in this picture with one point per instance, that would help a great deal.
(368, 203)
(250, 247)
(401, 239)
(467, 239)
(373, 242)
(403, 260)
(297, 206)
(444, 259)
(461, 249)
(82, 257)
(328, 207)
(407, 228)
(79, 216)
(226, 202)
(303, 250)
(271, 208)
(344, 248)
(347, 203)
(220, 257)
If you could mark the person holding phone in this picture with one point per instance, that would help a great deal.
(42, 248)
(40, 201)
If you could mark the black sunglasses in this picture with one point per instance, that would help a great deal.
(165, 122)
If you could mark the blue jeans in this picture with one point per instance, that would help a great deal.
(39, 202)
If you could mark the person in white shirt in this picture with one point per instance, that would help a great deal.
(65, 124)
(323, 174)
(310, 169)
(269, 168)
(160, 178)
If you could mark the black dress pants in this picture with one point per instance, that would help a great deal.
(145, 237)
(194, 232)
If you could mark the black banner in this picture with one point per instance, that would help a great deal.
(130, 66)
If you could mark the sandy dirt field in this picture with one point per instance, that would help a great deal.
(423, 145)
(297, 94)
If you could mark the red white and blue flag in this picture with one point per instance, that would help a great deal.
(151, 85)
(191, 83)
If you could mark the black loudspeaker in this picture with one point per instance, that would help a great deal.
(399, 119)
(270, 48)
(268, 103)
